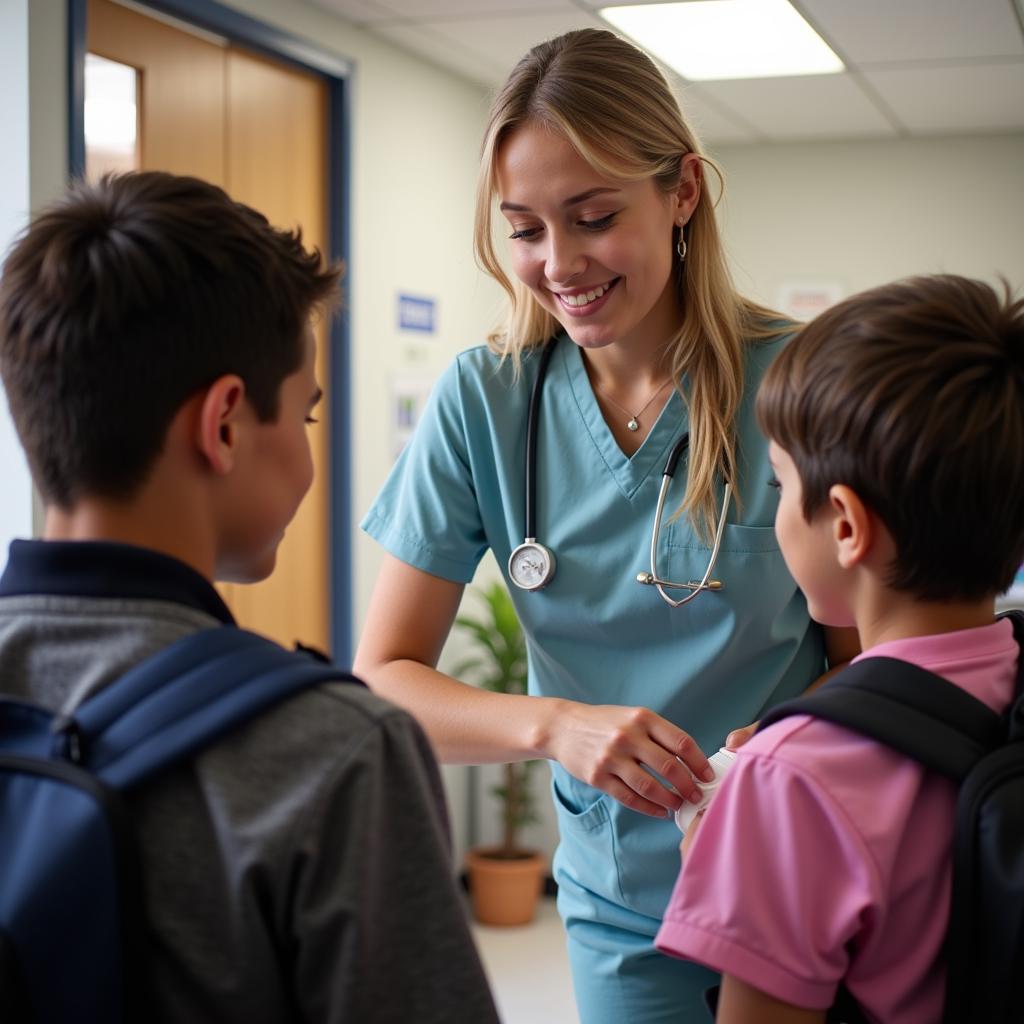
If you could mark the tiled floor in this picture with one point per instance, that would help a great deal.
(528, 968)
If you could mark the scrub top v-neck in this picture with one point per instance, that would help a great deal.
(594, 634)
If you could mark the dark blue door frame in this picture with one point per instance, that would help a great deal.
(337, 74)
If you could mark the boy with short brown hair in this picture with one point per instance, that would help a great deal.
(896, 422)
(157, 357)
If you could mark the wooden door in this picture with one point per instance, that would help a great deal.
(259, 130)
(276, 155)
(182, 108)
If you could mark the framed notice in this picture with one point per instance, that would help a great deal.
(416, 313)
(409, 394)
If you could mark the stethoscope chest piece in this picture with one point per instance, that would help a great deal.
(531, 566)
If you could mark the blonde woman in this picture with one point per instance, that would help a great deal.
(622, 300)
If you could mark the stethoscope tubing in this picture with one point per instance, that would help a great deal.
(651, 578)
(673, 459)
(531, 441)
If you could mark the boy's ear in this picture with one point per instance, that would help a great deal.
(853, 527)
(219, 422)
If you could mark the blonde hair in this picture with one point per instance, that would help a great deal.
(613, 105)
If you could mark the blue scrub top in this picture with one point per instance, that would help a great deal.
(594, 634)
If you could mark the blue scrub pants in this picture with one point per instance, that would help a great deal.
(618, 975)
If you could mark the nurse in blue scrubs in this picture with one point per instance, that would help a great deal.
(620, 279)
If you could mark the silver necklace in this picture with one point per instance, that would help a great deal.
(633, 423)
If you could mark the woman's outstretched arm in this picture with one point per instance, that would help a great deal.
(612, 748)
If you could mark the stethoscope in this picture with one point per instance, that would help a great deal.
(531, 566)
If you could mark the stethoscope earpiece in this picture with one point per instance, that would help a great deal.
(652, 579)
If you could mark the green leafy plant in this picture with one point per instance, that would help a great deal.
(498, 663)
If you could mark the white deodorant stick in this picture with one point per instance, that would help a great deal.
(720, 763)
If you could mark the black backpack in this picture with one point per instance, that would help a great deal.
(937, 723)
(72, 934)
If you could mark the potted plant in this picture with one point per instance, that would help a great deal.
(504, 881)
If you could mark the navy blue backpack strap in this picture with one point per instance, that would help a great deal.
(60, 783)
(184, 698)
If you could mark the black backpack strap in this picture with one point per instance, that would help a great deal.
(1015, 715)
(184, 698)
(909, 709)
(1016, 617)
(985, 942)
(938, 724)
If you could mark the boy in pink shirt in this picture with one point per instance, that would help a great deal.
(897, 427)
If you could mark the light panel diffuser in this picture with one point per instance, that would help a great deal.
(708, 40)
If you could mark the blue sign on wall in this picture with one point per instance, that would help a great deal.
(415, 314)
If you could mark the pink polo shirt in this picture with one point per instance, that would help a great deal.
(826, 857)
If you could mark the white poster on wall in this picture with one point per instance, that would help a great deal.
(804, 300)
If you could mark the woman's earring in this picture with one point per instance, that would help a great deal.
(681, 245)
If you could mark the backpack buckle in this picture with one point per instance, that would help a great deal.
(68, 738)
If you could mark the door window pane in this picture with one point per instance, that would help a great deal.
(111, 117)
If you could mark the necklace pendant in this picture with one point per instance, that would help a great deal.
(633, 425)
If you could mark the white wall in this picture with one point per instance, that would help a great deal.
(13, 119)
(857, 214)
(861, 213)
(16, 504)
(31, 170)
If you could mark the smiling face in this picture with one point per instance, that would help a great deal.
(596, 252)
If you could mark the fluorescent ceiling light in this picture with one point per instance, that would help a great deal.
(714, 39)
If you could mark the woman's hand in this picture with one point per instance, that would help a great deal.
(615, 749)
(738, 737)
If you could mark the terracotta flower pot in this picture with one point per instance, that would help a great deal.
(504, 891)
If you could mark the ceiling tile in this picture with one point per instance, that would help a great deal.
(413, 10)
(500, 41)
(925, 65)
(971, 98)
(812, 106)
(440, 50)
(597, 4)
(876, 31)
(360, 12)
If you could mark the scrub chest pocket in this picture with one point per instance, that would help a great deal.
(756, 586)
